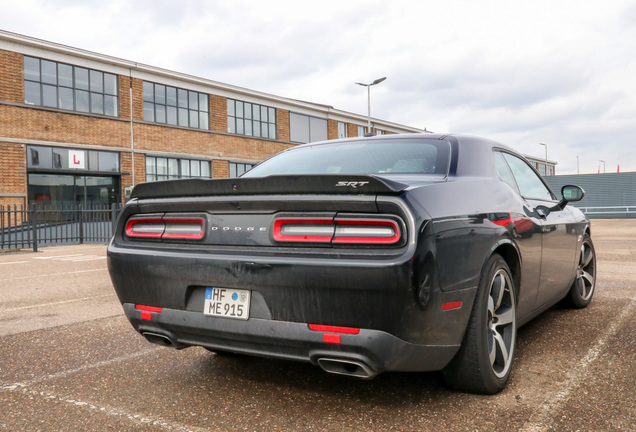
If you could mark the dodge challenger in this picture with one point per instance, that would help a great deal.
(418, 252)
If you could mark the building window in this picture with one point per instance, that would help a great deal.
(361, 131)
(305, 129)
(60, 158)
(342, 130)
(176, 106)
(59, 85)
(244, 118)
(239, 168)
(165, 168)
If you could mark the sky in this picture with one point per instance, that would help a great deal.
(557, 72)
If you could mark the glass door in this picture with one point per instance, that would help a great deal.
(93, 190)
(73, 190)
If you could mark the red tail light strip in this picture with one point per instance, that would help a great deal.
(338, 230)
(173, 228)
(145, 227)
(377, 231)
(184, 228)
(303, 230)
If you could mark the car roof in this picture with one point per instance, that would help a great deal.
(474, 153)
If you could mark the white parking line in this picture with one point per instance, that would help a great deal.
(74, 258)
(56, 257)
(540, 420)
(54, 274)
(40, 305)
(28, 389)
(82, 258)
(14, 262)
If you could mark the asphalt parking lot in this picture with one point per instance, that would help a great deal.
(70, 361)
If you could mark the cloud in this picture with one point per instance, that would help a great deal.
(518, 72)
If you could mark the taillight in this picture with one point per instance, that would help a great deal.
(339, 230)
(376, 231)
(184, 228)
(303, 230)
(173, 228)
(145, 227)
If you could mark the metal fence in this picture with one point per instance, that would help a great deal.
(607, 196)
(619, 212)
(41, 225)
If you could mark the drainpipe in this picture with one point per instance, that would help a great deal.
(132, 132)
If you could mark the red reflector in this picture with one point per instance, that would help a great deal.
(333, 329)
(451, 305)
(148, 308)
(146, 316)
(331, 338)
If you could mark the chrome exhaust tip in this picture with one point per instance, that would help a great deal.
(352, 368)
(158, 339)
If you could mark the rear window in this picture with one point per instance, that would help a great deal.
(400, 156)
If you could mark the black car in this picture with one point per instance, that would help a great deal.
(416, 252)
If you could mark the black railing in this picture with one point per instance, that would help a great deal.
(46, 225)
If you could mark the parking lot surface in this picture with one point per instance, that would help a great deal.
(70, 361)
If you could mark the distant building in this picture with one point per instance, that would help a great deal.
(78, 127)
(540, 165)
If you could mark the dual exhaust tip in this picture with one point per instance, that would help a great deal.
(354, 368)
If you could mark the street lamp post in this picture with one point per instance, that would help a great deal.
(368, 86)
(546, 157)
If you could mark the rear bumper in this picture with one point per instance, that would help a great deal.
(377, 350)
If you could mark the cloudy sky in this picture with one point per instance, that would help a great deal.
(551, 71)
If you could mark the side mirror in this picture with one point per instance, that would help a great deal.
(570, 193)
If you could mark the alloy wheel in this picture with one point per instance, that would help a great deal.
(586, 272)
(501, 323)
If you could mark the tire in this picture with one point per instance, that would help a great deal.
(483, 362)
(582, 289)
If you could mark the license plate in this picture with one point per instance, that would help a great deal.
(227, 303)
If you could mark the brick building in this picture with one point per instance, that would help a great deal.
(81, 127)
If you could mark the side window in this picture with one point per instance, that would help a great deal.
(530, 185)
(503, 171)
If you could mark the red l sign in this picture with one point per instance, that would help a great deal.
(76, 159)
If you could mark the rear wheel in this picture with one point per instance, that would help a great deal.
(483, 362)
(582, 289)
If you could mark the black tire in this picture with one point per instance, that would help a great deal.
(483, 363)
(582, 289)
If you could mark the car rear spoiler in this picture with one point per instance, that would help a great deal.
(272, 185)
